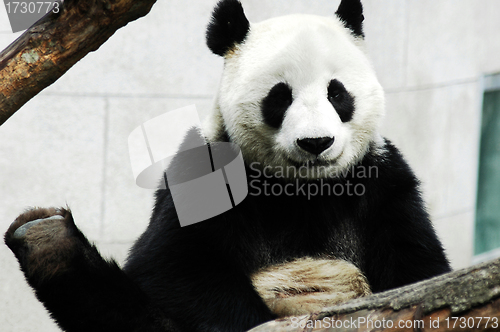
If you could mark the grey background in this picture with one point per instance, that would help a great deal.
(68, 145)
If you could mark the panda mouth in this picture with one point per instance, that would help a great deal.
(311, 163)
(316, 162)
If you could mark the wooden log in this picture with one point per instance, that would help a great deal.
(464, 300)
(44, 52)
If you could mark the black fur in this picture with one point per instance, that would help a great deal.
(228, 27)
(351, 13)
(199, 275)
(276, 103)
(341, 99)
(81, 290)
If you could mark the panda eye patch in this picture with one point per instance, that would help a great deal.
(341, 100)
(276, 103)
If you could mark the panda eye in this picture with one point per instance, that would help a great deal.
(276, 103)
(336, 91)
(341, 100)
(335, 96)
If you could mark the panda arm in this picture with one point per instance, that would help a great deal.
(402, 246)
(81, 290)
(404, 250)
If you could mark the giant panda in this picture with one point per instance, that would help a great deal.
(301, 100)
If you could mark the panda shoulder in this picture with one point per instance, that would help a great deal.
(389, 166)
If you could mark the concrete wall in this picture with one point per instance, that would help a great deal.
(69, 144)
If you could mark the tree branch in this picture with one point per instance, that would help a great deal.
(44, 52)
(471, 294)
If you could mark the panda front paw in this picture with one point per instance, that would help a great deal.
(43, 240)
(308, 285)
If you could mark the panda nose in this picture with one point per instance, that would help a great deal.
(315, 145)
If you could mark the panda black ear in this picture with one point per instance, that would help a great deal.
(228, 27)
(350, 13)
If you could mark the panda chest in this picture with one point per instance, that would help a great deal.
(312, 257)
(294, 226)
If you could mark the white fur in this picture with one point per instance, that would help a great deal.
(306, 52)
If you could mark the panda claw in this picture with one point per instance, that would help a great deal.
(20, 233)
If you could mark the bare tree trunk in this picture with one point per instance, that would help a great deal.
(56, 42)
(464, 300)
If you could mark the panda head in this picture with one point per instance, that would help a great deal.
(297, 91)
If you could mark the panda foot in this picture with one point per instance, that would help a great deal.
(43, 241)
(308, 285)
